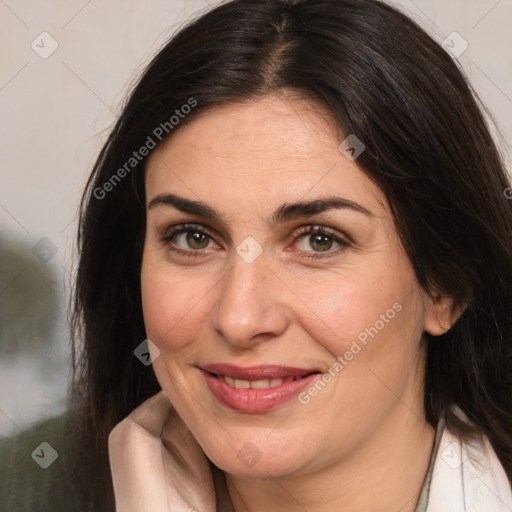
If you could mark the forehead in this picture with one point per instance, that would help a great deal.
(257, 150)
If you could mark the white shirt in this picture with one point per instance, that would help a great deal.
(464, 477)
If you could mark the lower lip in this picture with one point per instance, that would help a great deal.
(256, 400)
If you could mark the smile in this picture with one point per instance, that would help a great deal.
(256, 389)
(255, 384)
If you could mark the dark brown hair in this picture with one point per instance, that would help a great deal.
(427, 147)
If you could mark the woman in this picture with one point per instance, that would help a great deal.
(299, 219)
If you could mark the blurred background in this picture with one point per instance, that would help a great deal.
(66, 67)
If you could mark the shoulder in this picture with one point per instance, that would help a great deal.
(38, 468)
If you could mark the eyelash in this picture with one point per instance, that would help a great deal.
(303, 232)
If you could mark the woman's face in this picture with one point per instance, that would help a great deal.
(245, 282)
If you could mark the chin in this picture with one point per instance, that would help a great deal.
(250, 462)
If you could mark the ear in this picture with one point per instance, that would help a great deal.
(441, 313)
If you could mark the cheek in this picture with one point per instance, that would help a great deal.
(342, 308)
(373, 336)
(172, 306)
(372, 320)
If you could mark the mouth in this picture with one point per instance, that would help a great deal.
(256, 388)
(256, 384)
(257, 372)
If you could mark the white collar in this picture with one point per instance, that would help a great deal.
(468, 477)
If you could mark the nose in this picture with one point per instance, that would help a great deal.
(251, 304)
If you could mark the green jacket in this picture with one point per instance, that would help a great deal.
(37, 477)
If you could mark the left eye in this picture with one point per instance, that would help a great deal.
(317, 239)
(319, 242)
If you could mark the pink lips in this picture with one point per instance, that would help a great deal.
(256, 400)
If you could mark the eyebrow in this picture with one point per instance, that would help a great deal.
(285, 212)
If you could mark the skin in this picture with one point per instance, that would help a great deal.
(366, 429)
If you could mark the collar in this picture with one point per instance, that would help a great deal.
(464, 475)
(468, 476)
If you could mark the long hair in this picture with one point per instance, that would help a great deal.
(428, 148)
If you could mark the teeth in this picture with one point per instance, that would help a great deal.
(275, 382)
(260, 384)
(254, 384)
(242, 384)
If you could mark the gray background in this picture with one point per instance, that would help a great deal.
(56, 113)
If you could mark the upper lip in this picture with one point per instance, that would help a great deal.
(256, 372)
